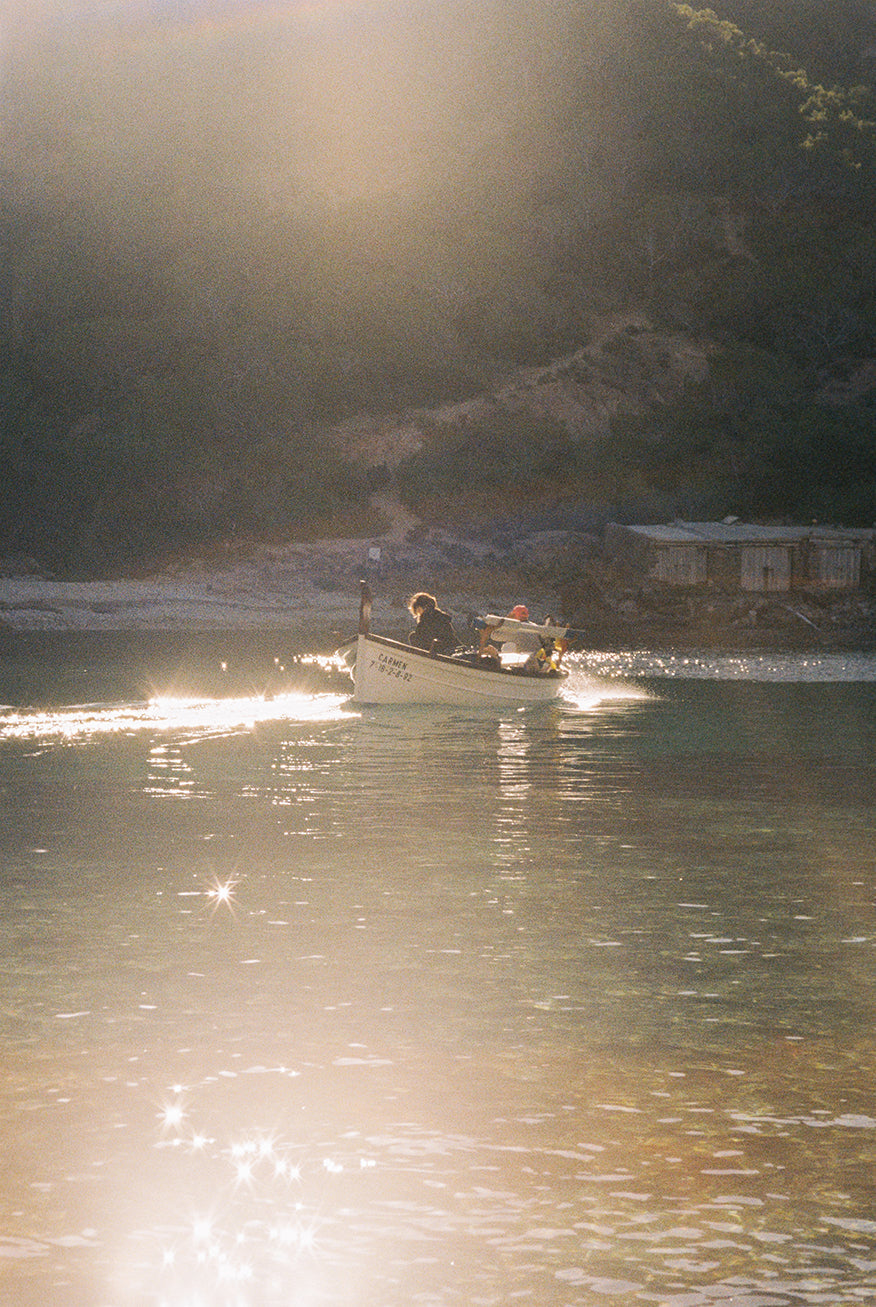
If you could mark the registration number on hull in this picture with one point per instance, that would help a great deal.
(389, 666)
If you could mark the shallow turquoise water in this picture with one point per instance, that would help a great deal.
(303, 1004)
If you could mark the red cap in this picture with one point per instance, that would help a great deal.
(521, 612)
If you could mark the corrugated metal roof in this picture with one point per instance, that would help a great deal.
(738, 533)
(851, 534)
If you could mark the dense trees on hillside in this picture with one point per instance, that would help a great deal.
(217, 243)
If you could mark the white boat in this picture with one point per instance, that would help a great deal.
(387, 671)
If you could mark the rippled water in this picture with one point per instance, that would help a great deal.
(304, 1004)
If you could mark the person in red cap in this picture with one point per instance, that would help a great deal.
(486, 650)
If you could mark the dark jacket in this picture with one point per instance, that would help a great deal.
(433, 625)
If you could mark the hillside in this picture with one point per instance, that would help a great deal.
(508, 265)
(482, 551)
(626, 366)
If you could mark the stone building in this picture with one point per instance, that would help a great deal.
(737, 555)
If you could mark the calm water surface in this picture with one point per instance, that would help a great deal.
(302, 1004)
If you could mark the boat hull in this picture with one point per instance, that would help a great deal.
(387, 672)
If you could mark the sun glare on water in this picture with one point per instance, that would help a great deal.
(197, 718)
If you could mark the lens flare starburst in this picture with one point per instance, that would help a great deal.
(221, 893)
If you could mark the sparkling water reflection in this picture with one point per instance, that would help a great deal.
(309, 1005)
(734, 667)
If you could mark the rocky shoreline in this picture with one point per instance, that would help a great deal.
(309, 593)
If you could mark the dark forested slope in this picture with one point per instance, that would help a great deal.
(227, 233)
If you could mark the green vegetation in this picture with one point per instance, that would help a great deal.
(208, 260)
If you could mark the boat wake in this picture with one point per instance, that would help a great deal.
(583, 691)
(194, 718)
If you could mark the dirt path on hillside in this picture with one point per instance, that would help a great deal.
(400, 518)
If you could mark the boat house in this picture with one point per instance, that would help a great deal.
(738, 555)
